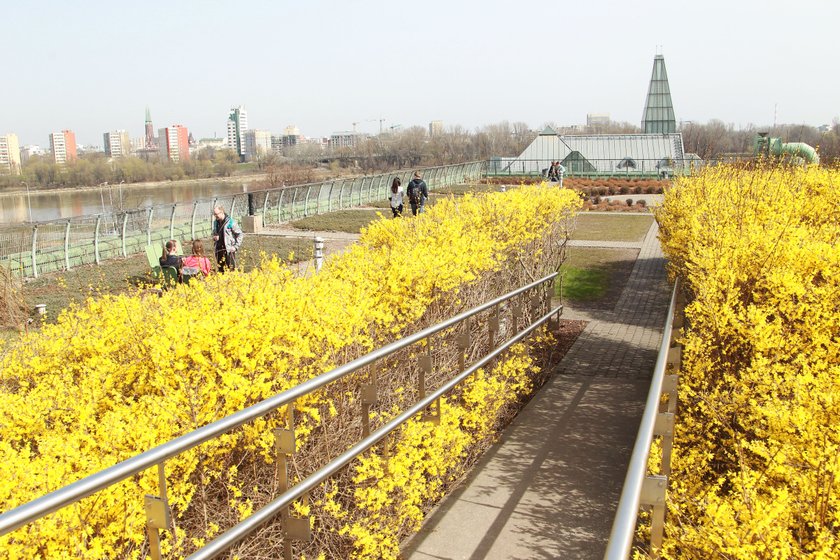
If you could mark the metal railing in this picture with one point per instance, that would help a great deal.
(641, 488)
(516, 302)
(31, 249)
(608, 167)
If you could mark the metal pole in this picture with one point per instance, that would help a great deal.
(67, 246)
(96, 239)
(172, 222)
(124, 224)
(34, 250)
(192, 220)
(149, 227)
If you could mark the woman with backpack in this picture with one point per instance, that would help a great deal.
(396, 197)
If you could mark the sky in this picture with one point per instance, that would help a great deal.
(93, 66)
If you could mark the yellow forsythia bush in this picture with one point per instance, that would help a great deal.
(757, 444)
(121, 374)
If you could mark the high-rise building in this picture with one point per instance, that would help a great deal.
(150, 131)
(658, 116)
(435, 128)
(63, 146)
(9, 154)
(117, 143)
(257, 144)
(237, 124)
(597, 119)
(174, 143)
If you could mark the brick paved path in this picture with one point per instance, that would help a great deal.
(550, 487)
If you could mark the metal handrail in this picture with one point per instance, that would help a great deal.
(91, 484)
(249, 525)
(624, 524)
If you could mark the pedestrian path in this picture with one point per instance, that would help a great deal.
(549, 488)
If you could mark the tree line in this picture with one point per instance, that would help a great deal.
(412, 147)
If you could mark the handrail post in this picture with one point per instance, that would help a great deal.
(294, 528)
(158, 514)
(149, 226)
(370, 397)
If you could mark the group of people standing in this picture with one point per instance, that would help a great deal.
(555, 171)
(417, 191)
(227, 239)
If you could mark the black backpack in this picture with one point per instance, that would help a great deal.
(414, 192)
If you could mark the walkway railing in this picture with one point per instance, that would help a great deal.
(641, 488)
(31, 249)
(503, 316)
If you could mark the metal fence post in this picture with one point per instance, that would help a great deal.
(34, 248)
(192, 220)
(172, 221)
(124, 224)
(96, 239)
(265, 208)
(149, 226)
(306, 201)
(280, 207)
(67, 246)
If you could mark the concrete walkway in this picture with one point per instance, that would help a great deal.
(549, 488)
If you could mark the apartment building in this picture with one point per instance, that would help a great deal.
(63, 146)
(117, 143)
(174, 143)
(237, 125)
(9, 154)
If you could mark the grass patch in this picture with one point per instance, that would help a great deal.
(347, 221)
(466, 188)
(594, 278)
(611, 227)
(60, 289)
(584, 284)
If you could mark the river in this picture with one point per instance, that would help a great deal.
(67, 203)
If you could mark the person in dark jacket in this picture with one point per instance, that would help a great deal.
(171, 258)
(418, 193)
(227, 236)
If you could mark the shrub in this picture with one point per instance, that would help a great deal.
(756, 457)
(119, 375)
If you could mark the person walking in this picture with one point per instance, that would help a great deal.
(418, 193)
(396, 197)
(227, 236)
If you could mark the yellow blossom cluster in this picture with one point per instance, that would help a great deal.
(121, 374)
(757, 444)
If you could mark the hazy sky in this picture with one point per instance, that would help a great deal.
(93, 66)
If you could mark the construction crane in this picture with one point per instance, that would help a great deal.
(354, 125)
(394, 127)
(380, 125)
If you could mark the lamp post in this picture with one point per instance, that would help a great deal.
(28, 200)
(121, 204)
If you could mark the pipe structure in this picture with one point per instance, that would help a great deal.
(775, 147)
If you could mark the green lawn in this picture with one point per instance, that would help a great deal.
(348, 221)
(594, 278)
(611, 227)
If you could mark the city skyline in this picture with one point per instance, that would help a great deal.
(324, 66)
